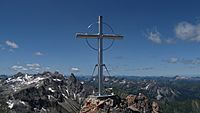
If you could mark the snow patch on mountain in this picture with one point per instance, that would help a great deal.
(159, 96)
(57, 80)
(10, 104)
(50, 89)
(25, 79)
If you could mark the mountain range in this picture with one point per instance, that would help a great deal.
(49, 92)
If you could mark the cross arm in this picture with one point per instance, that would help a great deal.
(85, 35)
(108, 36)
(112, 36)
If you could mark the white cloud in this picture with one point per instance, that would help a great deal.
(191, 61)
(170, 41)
(34, 68)
(173, 60)
(11, 44)
(47, 68)
(188, 31)
(143, 69)
(75, 69)
(33, 65)
(38, 54)
(154, 36)
(18, 68)
(37, 68)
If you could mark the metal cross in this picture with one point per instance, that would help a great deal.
(100, 36)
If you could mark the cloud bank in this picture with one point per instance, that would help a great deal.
(174, 60)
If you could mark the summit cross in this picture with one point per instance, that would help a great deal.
(100, 36)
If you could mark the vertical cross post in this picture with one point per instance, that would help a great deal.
(100, 54)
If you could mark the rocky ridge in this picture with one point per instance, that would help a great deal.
(41, 93)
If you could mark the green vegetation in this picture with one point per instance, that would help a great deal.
(187, 106)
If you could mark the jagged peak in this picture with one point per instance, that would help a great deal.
(72, 78)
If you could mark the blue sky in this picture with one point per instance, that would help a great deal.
(161, 38)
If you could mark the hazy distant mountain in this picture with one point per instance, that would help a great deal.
(158, 88)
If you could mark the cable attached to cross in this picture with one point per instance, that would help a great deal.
(103, 66)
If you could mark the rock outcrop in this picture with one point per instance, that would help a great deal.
(114, 104)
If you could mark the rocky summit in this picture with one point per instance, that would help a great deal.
(114, 104)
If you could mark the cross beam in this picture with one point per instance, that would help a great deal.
(100, 36)
(108, 36)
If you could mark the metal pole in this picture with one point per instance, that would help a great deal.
(100, 55)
